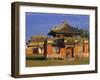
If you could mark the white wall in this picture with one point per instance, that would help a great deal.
(5, 40)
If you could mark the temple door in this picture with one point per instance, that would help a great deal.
(69, 52)
(35, 50)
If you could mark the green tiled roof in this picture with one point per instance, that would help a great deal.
(63, 29)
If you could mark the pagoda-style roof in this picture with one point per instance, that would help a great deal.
(64, 28)
(38, 38)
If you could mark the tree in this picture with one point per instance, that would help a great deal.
(84, 33)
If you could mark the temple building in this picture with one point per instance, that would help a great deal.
(36, 45)
(64, 30)
(64, 41)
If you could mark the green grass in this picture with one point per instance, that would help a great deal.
(33, 61)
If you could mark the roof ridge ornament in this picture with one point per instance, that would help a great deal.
(65, 22)
(60, 26)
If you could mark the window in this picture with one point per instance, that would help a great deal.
(58, 35)
(56, 50)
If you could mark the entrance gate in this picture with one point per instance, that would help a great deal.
(69, 52)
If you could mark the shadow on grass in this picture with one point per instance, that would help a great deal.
(35, 58)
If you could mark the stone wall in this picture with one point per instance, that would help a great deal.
(78, 50)
(29, 51)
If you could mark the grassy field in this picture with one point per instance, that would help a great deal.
(33, 61)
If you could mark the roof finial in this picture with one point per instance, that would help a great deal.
(64, 22)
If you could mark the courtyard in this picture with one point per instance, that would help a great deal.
(38, 60)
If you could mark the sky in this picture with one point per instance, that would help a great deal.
(42, 23)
